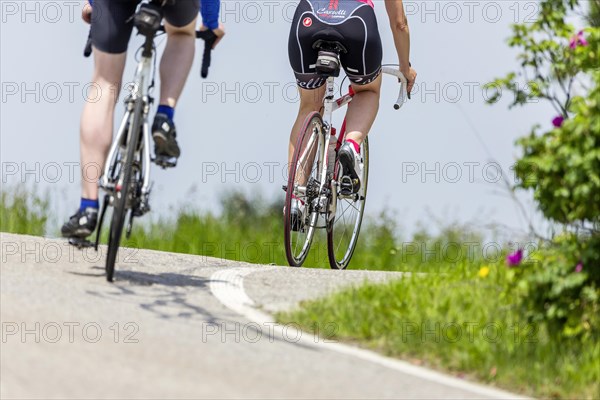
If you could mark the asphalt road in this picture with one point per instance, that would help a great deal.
(180, 326)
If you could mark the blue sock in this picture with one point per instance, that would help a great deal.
(168, 111)
(87, 203)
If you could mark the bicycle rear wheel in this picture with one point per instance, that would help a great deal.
(122, 190)
(303, 187)
(343, 229)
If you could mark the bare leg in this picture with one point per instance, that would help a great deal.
(96, 128)
(176, 61)
(362, 110)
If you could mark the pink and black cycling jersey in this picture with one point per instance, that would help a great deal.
(349, 22)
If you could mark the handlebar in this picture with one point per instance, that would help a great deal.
(403, 85)
(208, 36)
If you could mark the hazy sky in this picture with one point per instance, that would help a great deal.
(234, 127)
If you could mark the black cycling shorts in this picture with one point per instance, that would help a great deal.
(350, 22)
(112, 23)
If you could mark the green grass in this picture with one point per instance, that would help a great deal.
(459, 322)
(23, 211)
(250, 229)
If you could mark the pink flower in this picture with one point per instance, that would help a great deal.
(581, 38)
(558, 121)
(579, 267)
(578, 40)
(515, 258)
(573, 42)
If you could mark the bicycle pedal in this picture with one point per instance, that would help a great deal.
(165, 161)
(141, 211)
(80, 243)
(349, 186)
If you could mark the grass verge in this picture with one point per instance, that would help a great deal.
(23, 211)
(463, 321)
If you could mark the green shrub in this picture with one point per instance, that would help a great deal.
(560, 284)
(562, 166)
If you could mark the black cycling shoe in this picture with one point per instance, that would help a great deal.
(164, 133)
(81, 225)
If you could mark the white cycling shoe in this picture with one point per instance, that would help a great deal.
(352, 168)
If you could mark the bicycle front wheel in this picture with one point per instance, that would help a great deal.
(344, 227)
(302, 189)
(122, 190)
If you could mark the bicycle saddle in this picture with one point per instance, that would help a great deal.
(330, 45)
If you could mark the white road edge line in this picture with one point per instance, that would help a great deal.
(227, 286)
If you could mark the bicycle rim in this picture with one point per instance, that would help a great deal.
(343, 230)
(303, 169)
(120, 200)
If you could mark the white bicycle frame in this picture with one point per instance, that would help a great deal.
(139, 88)
(330, 105)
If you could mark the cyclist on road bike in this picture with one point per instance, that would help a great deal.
(111, 27)
(354, 25)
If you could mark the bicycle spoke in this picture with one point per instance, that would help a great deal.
(303, 174)
(342, 236)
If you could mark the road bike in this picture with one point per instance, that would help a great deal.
(315, 173)
(126, 175)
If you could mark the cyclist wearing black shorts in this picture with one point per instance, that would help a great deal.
(353, 24)
(111, 27)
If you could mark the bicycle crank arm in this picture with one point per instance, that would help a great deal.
(105, 204)
(165, 162)
(80, 243)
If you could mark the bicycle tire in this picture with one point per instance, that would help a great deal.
(292, 238)
(335, 238)
(120, 200)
